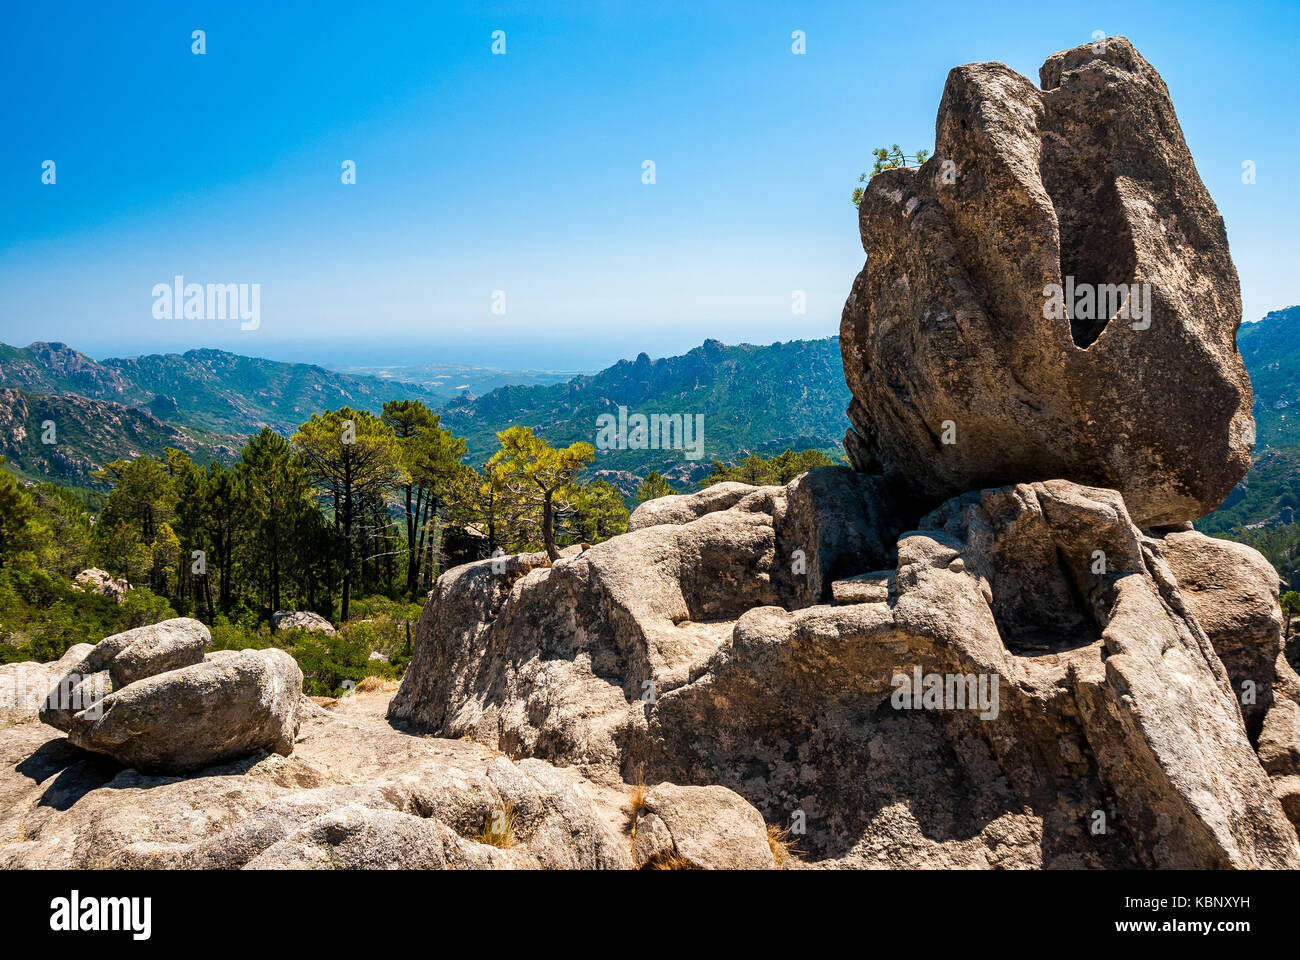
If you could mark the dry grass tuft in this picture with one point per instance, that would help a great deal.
(670, 861)
(783, 846)
(374, 684)
(635, 805)
(499, 828)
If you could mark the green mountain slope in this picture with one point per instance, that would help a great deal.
(1271, 349)
(88, 433)
(755, 399)
(208, 389)
(450, 380)
(1270, 492)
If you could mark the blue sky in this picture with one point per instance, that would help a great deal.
(523, 172)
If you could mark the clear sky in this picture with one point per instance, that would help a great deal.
(523, 172)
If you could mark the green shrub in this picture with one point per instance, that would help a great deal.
(42, 614)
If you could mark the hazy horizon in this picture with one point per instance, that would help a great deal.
(342, 355)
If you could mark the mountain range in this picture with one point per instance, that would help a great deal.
(755, 399)
(207, 401)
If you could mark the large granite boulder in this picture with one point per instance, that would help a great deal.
(971, 350)
(1093, 725)
(226, 707)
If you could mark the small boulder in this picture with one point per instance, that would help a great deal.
(301, 620)
(710, 828)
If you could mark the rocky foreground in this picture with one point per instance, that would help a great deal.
(751, 686)
(354, 793)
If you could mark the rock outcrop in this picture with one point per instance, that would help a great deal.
(966, 370)
(354, 793)
(559, 660)
(1097, 726)
(103, 583)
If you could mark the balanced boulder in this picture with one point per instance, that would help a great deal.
(1050, 295)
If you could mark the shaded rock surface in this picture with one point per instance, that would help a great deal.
(959, 378)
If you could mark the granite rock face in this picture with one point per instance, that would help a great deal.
(1088, 719)
(973, 354)
(559, 659)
